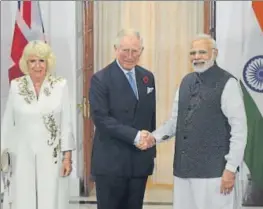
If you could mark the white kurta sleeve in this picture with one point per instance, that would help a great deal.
(168, 129)
(67, 139)
(8, 121)
(232, 106)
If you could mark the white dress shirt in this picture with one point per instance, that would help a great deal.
(132, 71)
(232, 106)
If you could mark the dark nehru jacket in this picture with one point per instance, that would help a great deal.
(202, 132)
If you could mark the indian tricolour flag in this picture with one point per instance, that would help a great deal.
(239, 34)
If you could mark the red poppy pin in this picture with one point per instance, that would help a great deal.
(145, 79)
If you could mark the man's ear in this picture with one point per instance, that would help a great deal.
(142, 50)
(215, 51)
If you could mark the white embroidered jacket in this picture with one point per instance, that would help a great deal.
(40, 121)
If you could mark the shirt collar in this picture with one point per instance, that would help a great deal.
(126, 71)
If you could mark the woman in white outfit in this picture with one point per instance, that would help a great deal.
(36, 131)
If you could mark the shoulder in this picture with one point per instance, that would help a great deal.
(188, 77)
(188, 80)
(56, 81)
(226, 73)
(57, 85)
(229, 81)
(144, 71)
(18, 83)
(104, 72)
(18, 80)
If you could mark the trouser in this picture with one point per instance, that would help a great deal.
(120, 192)
(192, 193)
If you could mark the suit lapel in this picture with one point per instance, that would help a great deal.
(142, 89)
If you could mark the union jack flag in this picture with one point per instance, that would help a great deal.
(28, 26)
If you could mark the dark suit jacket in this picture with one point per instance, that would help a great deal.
(118, 116)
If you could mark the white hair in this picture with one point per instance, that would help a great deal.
(127, 32)
(206, 37)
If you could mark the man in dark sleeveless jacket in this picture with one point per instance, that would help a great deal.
(209, 124)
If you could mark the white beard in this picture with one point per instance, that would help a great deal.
(204, 66)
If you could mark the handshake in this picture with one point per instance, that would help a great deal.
(146, 140)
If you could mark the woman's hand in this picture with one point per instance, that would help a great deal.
(66, 164)
(66, 167)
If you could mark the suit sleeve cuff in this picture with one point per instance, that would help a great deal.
(231, 168)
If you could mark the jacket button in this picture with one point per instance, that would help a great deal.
(185, 137)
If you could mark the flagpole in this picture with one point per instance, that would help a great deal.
(42, 23)
(213, 19)
(36, 182)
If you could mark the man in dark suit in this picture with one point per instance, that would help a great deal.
(122, 99)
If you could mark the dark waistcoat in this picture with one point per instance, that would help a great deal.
(203, 132)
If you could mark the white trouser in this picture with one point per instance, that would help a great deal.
(200, 194)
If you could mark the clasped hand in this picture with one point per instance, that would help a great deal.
(146, 140)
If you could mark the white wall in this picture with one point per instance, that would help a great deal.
(59, 19)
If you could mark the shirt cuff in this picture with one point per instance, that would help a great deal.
(137, 138)
(158, 138)
(231, 168)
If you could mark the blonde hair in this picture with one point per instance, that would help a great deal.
(40, 49)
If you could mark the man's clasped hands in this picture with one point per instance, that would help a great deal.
(146, 140)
